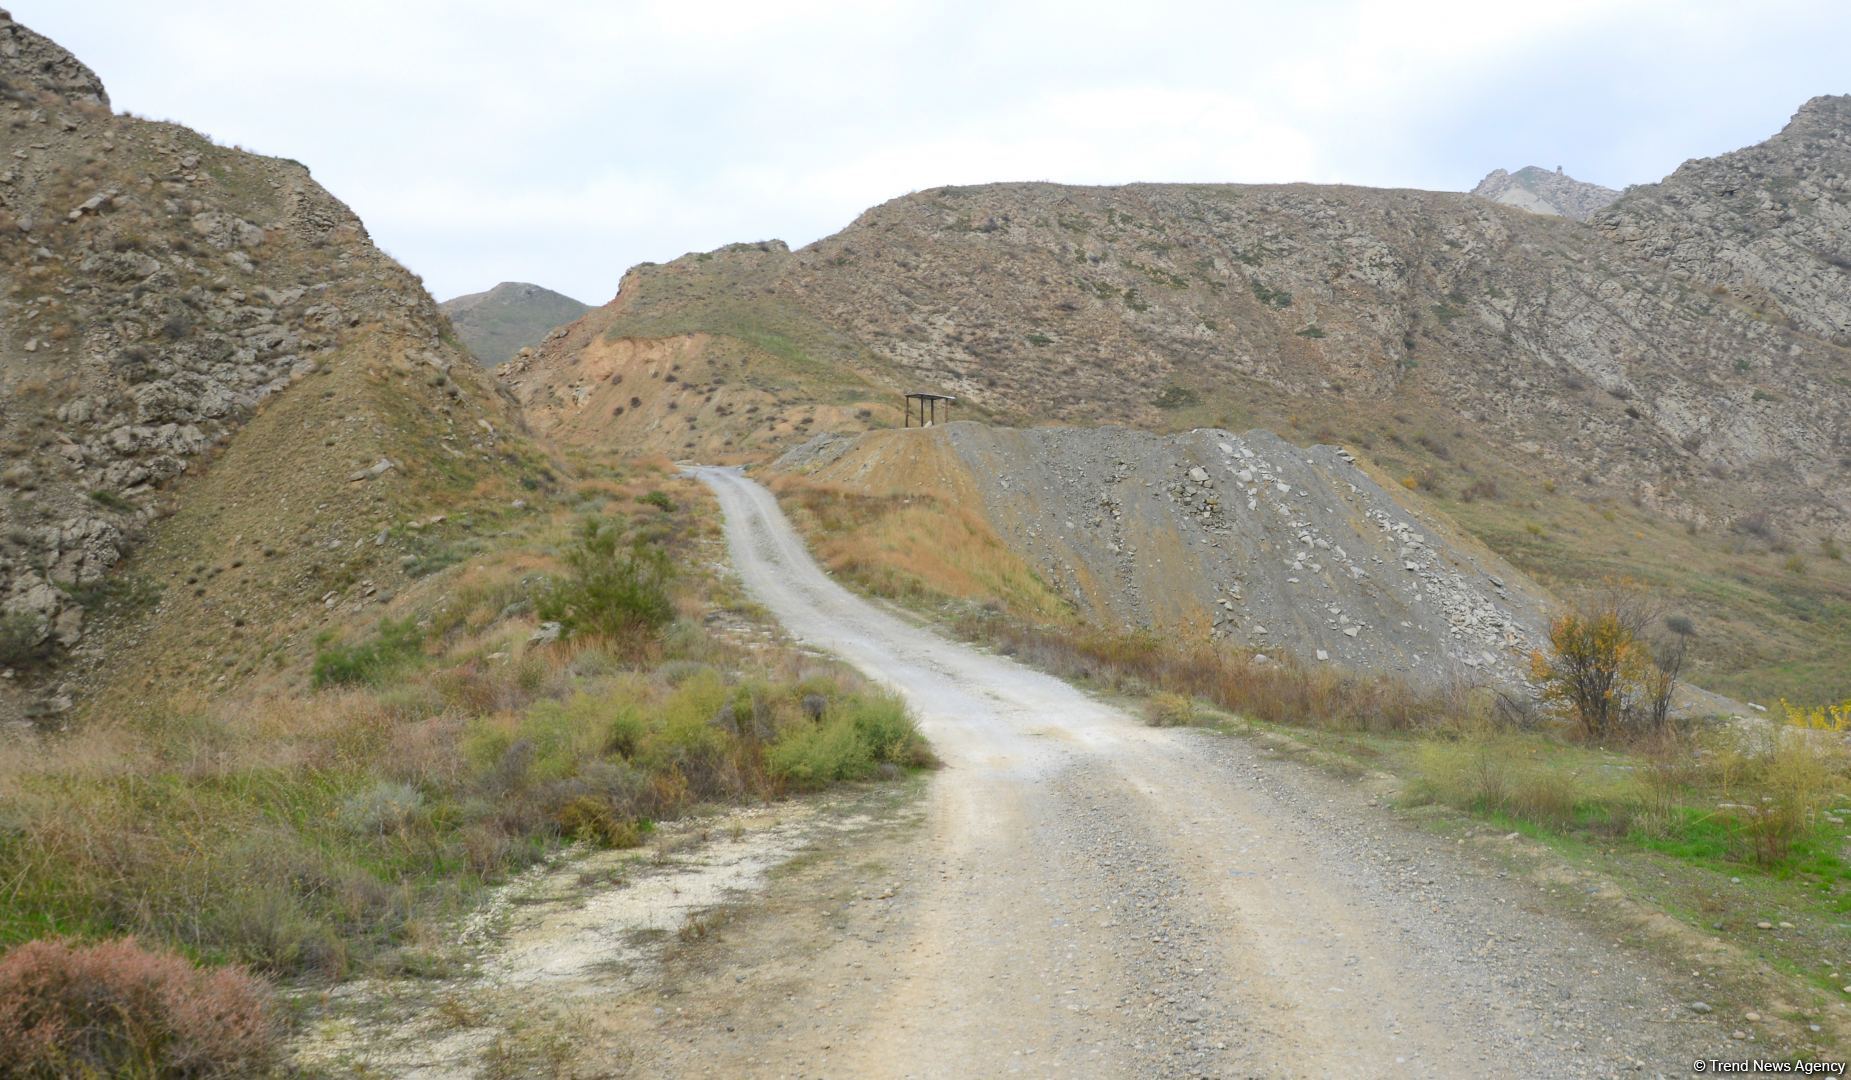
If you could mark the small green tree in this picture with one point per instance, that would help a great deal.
(612, 590)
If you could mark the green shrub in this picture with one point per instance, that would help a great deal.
(595, 821)
(810, 756)
(849, 741)
(659, 500)
(107, 498)
(686, 734)
(23, 642)
(883, 723)
(369, 662)
(1278, 298)
(618, 594)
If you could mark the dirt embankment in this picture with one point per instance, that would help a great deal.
(1245, 538)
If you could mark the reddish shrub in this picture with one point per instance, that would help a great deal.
(116, 1008)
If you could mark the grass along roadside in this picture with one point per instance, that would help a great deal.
(322, 822)
(1743, 837)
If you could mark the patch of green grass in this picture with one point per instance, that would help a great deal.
(367, 663)
(1176, 397)
(106, 498)
(1265, 294)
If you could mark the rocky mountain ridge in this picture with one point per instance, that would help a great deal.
(1571, 350)
(1767, 226)
(1543, 192)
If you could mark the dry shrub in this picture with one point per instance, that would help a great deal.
(116, 1008)
(1170, 710)
(1271, 691)
(1603, 672)
(1669, 770)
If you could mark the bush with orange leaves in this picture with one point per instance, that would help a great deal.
(118, 1009)
(1603, 673)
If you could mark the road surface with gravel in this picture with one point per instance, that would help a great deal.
(1090, 896)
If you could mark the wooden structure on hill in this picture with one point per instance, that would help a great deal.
(926, 405)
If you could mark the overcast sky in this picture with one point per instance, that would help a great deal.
(560, 143)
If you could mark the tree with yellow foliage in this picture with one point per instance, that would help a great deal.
(1601, 670)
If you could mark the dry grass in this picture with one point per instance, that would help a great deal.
(310, 833)
(915, 547)
(1272, 691)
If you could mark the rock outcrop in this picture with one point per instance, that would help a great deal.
(31, 63)
(1543, 192)
(1768, 227)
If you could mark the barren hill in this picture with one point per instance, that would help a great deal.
(162, 298)
(1543, 192)
(1587, 398)
(496, 324)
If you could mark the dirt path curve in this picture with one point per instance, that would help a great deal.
(1094, 897)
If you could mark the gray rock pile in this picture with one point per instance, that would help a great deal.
(1240, 538)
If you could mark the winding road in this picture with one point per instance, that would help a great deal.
(1090, 896)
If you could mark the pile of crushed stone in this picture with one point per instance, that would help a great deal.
(1245, 538)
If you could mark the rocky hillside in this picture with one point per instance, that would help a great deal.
(1595, 363)
(159, 297)
(1243, 538)
(499, 323)
(1768, 227)
(1543, 192)
(1586, 397)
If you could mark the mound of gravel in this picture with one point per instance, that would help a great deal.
(1242, 538)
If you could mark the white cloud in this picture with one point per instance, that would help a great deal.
(565, 140)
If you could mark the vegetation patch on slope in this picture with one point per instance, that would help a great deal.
(319, 823)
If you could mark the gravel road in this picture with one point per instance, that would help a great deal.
(1089, 896)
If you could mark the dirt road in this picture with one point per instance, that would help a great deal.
(1089, 896)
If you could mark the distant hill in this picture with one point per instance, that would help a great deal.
(496, 324)
(1543, 192)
